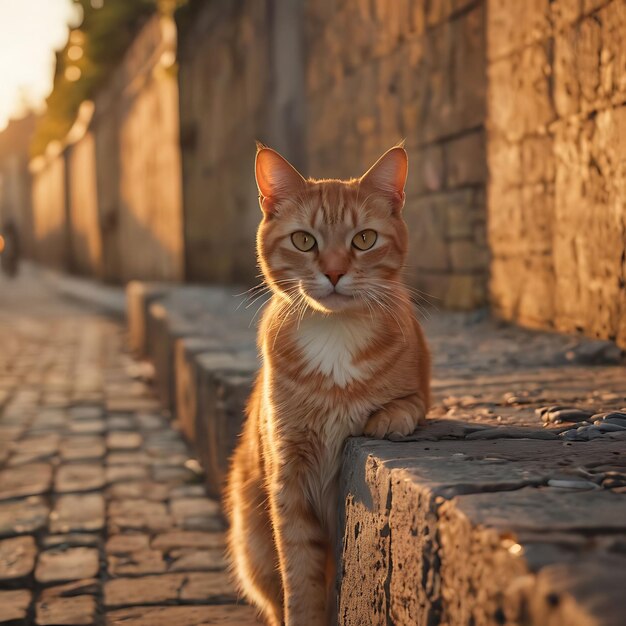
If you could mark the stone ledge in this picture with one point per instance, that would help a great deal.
(489, 515)
(458, 532)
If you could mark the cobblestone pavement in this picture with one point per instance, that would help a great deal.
(103, 517)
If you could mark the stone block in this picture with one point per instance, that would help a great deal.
(225, 382)
(139, 296)
(140, 562)
(228, 615)
(461, 220)
(504, 293)
(74, 611)
(79, 477)
(167, 588)
(17, 558)
(14, 607)
(504, 161)
(467, 257)
(426, 221)
(504, 34)
(565, 12)
(23, 516)
(505, 220)
(504, 87)
(539, 227)
(77, 513)
(426, 522)
(188, 539)
(613, 56)
(536, 303)
(512, 25)
(468, 74)
(426, 170)
(465, 292)
(587, 55)
(185, 350)
(538, 159)
(565, 71)
(466, 160)
(59, 565)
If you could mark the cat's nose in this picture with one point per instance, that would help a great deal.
(334, 277)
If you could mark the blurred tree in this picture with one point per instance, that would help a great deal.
(89, 56)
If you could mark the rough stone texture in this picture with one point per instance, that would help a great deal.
(76, 611)
(249, 56)
(168, 588)
(88, 201)
(23, 516)
(79, 477)
(380, 72)
(183, 616)
(25, 480)
(14, 607)
(70, 564)
(17, 558)
(332, 85)
(557, 136)
(77, 515)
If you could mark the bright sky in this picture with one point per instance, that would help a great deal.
(30, 31)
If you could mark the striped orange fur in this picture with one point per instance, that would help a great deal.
(343, 355)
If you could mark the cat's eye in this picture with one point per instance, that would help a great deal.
(303, 241)
(365, 239)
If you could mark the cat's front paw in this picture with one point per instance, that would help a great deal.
(399, 417)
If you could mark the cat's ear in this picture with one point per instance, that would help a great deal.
(276, 178)
(388, 175)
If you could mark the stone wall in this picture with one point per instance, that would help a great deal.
(143, 213)
(240, 74)
(86, 242)
(359, 78)
(557, 140)
(378, 72)
(109, 202)
(50, 225)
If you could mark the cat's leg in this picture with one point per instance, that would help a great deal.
(303, 550)
(253, 550)
(401, 416)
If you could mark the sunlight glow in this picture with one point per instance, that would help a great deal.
(30, 32)
(72, 73)
(75, 53)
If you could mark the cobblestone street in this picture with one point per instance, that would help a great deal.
(103, 516)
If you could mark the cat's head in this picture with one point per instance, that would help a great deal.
(336, 245)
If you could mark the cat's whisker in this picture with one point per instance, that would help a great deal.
(257, 311)
(389, 294)
(387, 308)
(417, 297)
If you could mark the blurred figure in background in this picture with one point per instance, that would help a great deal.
(9, 248)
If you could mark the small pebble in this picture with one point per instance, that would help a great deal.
(563, 483)
(568, 415)
(607, 427)
(542, 410)
(611, 483)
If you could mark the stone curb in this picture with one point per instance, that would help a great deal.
(461, 523)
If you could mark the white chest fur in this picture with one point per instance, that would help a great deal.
(329, 344)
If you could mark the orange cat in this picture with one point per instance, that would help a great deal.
(343, 355)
